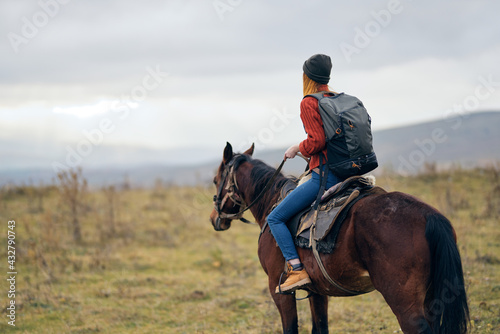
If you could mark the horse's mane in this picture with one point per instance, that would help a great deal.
(262, 173)
(259, 176)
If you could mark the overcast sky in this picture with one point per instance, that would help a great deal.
(174, 74)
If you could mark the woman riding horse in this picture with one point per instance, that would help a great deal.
(315, 79)
(391, 241)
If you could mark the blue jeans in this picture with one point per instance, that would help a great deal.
(299, 199)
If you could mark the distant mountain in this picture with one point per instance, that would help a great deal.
(468, 140)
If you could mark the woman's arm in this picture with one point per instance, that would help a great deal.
(311, 118)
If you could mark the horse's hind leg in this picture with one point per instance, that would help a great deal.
(403, 281)
(406, 299)
(319, 313)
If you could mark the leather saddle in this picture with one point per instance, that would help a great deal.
(334, 206)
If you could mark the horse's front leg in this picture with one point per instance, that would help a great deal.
(287, 306)
(319, 313)
(273, 263)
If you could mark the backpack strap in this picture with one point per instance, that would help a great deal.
(318, 96)
(323, 176)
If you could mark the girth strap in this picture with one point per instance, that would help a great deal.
(312, 235)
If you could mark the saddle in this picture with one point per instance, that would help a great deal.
(334, 207)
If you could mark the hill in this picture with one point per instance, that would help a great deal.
(467, 140)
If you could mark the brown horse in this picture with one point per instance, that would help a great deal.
(402, 246)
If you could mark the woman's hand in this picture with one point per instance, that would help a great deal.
(292, 152)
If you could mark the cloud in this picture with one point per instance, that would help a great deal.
(85, 111)
(88, 42)
(228, 75)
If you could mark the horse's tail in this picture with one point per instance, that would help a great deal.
(446, 300)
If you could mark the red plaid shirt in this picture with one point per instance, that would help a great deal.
(316, 139)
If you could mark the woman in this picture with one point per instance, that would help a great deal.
(315, 79)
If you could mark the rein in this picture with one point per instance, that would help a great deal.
(232, 193)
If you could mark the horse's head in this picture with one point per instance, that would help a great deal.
(228, 202)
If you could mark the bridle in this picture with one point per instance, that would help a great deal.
(232, 193)
(231, 187)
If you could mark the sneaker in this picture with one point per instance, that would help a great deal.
(296, 279)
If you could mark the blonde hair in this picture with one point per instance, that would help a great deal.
(310, 86)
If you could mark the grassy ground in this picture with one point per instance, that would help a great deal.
(150, 262)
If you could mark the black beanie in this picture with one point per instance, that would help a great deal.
(318, 68)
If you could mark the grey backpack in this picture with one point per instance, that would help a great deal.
(348, 133)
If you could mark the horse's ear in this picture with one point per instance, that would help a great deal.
(228, 153)
(250, 150)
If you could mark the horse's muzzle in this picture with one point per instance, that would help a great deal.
(217, 224)
(220, 224)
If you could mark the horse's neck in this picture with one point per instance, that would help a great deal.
(263, 206)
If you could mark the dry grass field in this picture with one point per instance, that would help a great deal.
(149, 261)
